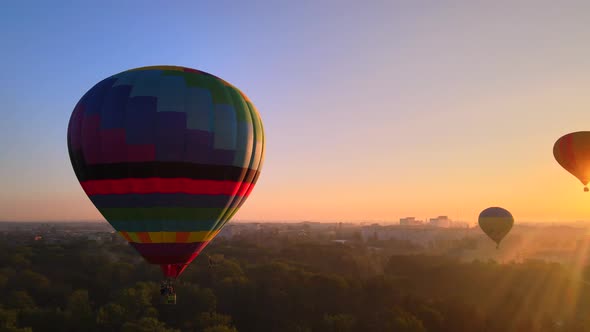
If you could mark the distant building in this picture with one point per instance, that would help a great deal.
(410, 221)
(441, 221)
(460, 224)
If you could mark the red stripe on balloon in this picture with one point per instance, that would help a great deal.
(163, 186)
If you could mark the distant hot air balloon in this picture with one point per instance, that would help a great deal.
(496, 222)
(572, 152)
(167, 155)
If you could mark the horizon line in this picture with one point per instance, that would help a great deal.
(289, 221)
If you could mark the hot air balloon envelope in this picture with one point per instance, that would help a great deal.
(572, 152)
(167, 155)
(496, 222)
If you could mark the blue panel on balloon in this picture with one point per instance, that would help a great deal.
(225, 127)
(94, 98)
(199, 109)
(148, 85)
(125, 78)
(171, 95)
(245, 135)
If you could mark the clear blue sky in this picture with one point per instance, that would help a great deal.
(372, 110)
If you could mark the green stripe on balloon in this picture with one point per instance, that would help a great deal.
(166, 226)
(161, 213)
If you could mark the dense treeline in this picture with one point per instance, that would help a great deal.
(304, 285)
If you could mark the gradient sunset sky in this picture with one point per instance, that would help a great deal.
(372, 110)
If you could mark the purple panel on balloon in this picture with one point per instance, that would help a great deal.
(75, 127)
(140, 120)
(199, 144)
(170, 129)
(90, 141)
(114, 149)
(141, 153)
(222, 157)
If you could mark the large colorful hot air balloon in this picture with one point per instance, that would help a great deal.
(572, 152)
(496, 222)
(167, 155)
